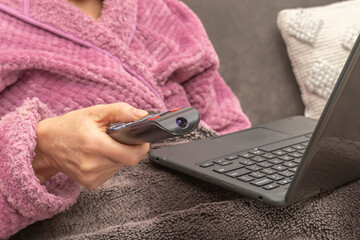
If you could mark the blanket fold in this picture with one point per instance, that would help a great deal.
(152, 202)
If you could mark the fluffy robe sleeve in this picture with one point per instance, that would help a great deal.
(23, 200)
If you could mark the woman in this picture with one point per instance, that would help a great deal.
(66, 71)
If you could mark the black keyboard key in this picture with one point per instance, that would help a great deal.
(286, 173)
(237, 173)
(205, 165)
(268, 155)
(225, 163)
(284, 181)
(256, 152)
(282, 144)
(246, 178)
(257, 175)
(296, 155)
(268, 171)
(228, 168)
(297, 160)
(218, 161)
(254, 168)
(286, 158)
(304, 144)
(294, 169)
(232, 157)
(290, 164)
(271, 186)
(258, 159)
(275, 161)
(289, 149)
(246, 162)
(299, 147)
(261, 182)
(220, 170)
(265, 164)
(279, 152)
(276, 177)
(301, 151)
(279, 168)
(245, 155)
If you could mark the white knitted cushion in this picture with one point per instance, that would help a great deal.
(319, 40)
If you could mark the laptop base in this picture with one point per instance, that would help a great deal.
(239, 161)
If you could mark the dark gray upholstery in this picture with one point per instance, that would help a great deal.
(253, 57)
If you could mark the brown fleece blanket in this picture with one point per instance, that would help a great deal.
(151, 202)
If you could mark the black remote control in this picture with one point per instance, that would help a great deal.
(154, 127)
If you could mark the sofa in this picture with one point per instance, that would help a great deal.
(253, 57)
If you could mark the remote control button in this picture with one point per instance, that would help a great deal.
(153, 118)
(176, 109)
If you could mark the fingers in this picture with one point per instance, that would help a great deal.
(116, 112)
(129, 155)
(83, 151)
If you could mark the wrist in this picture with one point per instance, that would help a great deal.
(42, 163)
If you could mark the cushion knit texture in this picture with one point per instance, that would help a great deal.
(319, 40)
(153, 202)
(152, 54)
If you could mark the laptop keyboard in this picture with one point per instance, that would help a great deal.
(269, 167)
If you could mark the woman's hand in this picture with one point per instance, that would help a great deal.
(77, 144)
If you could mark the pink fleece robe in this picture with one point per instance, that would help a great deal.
(152, 54)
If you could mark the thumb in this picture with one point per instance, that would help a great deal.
(117, 112)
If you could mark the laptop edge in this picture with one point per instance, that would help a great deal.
(297, 190)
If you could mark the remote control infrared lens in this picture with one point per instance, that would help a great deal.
(182, 122)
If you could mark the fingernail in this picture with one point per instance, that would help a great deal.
(140, 113)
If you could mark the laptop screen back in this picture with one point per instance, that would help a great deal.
(333, 155)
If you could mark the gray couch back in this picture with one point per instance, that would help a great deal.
(253, 57)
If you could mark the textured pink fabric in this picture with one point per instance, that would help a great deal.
(152, 54)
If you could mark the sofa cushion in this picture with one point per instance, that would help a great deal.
(319, 40)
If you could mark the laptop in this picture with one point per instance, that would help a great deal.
(286, 161)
